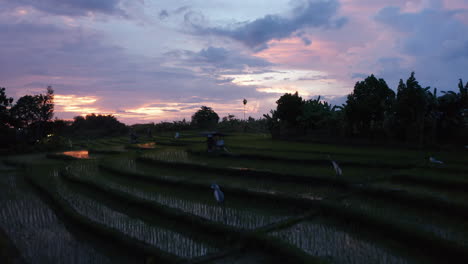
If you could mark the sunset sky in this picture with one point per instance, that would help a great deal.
(153, 60)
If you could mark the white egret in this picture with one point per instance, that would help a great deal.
(337, 168)
(434, 160)
(218, 194)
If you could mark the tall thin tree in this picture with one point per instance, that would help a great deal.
(245, 102)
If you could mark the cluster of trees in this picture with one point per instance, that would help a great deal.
(207, 118)
(374, 111)
(295, 117)
(93, 125)
(30, 116)
(29, 120)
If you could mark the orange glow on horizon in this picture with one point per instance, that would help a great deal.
(76, 104)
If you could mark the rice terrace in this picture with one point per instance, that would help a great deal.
(110, 201)
(233, 132)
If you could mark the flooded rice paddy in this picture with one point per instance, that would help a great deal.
(236, 211)
(431, 221)
(323, 240)
(165, 239)
(37, 232)
(42, 234)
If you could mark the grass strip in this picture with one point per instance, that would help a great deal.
(251, 173)
(431, 181)
(113, 235)
(172, 143)
(419, 200)
(423, 242)
(321, 162)
(9, 254)
(59, 156)
(278, 198)
(104, 151)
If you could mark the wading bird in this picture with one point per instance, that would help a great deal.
(434, 160)
(337, 168)
(218, 194)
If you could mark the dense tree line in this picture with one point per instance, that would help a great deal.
(374, 111)
(93, 126)
(29, 121)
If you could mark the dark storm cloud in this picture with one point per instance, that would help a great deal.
(224, 58)
(255, 34)
(72, 7)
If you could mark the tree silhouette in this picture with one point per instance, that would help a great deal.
(315, 114)
(31, 109)
(453, 111)
(367, 104)
(412, 108)
(98, 125)
(5, 104)
(289, 108)
(205, 118)
(245, 102)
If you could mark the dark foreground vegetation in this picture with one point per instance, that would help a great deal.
(284, 203)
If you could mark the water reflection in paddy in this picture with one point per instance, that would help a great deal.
(80, 154)
(148, 145)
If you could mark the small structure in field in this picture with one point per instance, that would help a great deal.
(215, 141)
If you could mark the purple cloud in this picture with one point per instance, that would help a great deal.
(72, 7)
(256, 34)
(216, 60)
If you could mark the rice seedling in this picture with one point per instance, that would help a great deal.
(248, 257)
(443, 194)
(165, 239)
(320, 239)
(305, 190)
(37, 232)
(169, 155)
(427, 221)
(235, 212)
(31, 159)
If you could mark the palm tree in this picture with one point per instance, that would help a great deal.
(245, 102)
